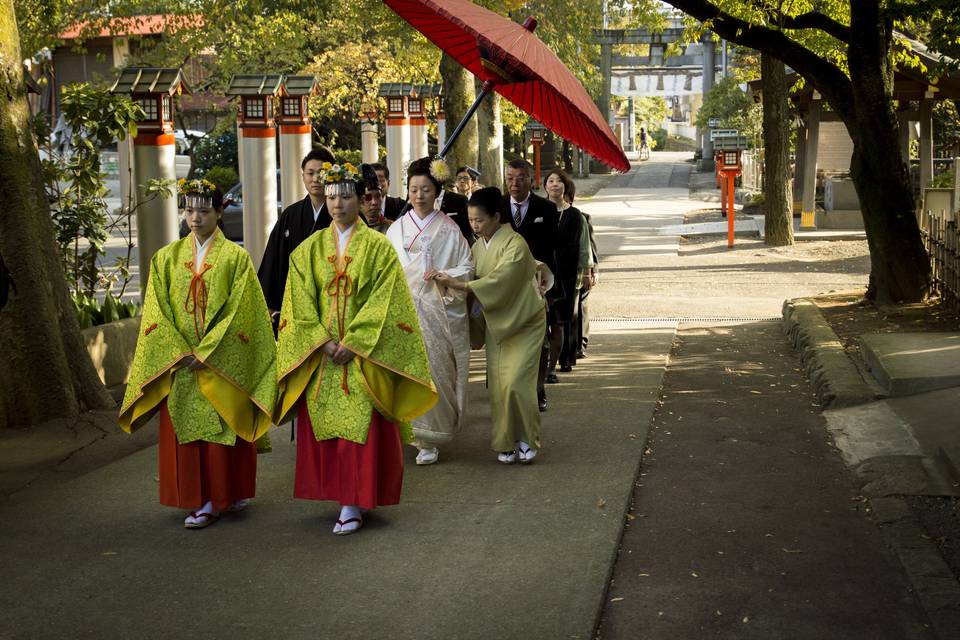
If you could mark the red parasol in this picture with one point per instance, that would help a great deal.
(517, 65)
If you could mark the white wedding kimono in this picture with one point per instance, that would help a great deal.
(436, 243)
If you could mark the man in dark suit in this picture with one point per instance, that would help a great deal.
(535, 219)
(295, 224)
(392, 207)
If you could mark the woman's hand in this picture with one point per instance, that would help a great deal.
(342, 355)
(588, 280)
(329, 348)
(448, 281)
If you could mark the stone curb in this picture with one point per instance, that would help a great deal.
(934, 585)
(836, 380)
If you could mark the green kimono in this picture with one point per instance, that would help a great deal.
(512, 326)
(361, 300)
(217, 314)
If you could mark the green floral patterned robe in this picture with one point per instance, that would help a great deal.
(361, 300)
(231, 334)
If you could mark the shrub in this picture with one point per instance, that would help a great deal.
(353, 156)
(223, 177)
(658, 138)
(212, 152)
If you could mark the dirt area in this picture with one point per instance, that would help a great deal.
(941, 518)
(850, 316)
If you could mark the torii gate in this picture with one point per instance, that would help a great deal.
(651, 76)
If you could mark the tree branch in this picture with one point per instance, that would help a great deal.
(827, 78)
(816, 20)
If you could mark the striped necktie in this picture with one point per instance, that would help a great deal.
(517, 215)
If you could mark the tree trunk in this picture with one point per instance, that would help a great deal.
(899, 265)
(45, 370)
(458, 95)
(778, 221)
(900, 268)
(490, 133)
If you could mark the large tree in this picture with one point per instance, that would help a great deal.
(778, 221)
(861, 95)
(45, 371)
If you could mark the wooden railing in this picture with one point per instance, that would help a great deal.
(941, 238)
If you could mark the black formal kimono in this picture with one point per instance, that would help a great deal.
(294, 225)
(569, 228)
(455, 206)
(393, 208)
(539, 229)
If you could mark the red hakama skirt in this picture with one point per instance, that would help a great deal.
(360, 475)
(199, 472)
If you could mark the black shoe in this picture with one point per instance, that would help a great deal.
(565, 368)
(552, 378)
(542, 399)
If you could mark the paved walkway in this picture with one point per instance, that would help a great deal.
(478, 550)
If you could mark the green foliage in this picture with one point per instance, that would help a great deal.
(353, 156)
(734, 108)
(92, 312)
(943, 180)
(215, 151)
(75, 182)
(223, 177)
(658, 138)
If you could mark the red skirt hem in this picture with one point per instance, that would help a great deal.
(361, 475)
(198, 472)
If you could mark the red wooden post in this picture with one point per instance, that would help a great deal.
(723, 193)
(731, 176)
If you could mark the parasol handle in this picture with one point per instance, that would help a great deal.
(487, 88)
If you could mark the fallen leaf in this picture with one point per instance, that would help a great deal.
(601, 503)
(694, 574)
(630, 516)
(615, 599)
(745, 619)
(109, 553)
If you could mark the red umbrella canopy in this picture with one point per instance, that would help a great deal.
(521, 68)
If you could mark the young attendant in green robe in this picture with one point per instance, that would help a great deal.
(351, 363)
(204, 360)
(513, 323)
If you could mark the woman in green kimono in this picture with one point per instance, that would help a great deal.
(509, 297)
(204, 361)
(351, 362)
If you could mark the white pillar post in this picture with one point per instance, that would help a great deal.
(398, 149)
(369, 138)
(158, 221)
(295, 144)
(259, 178)
(441, 128)
(808, 212)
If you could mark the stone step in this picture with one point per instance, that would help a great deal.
(910, 363)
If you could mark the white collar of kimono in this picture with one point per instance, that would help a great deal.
(202, 247)
(422, 224)
(344, 236)
(316, 210)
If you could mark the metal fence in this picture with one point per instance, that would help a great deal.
(941, 238)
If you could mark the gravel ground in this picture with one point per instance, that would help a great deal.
(708, 279)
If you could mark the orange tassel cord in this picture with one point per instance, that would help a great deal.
(196, 302)
(340, 289)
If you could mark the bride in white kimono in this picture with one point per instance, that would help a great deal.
(428, 242)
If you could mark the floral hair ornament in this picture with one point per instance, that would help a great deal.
(197, 194)
(339, 179)
(440, 170)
